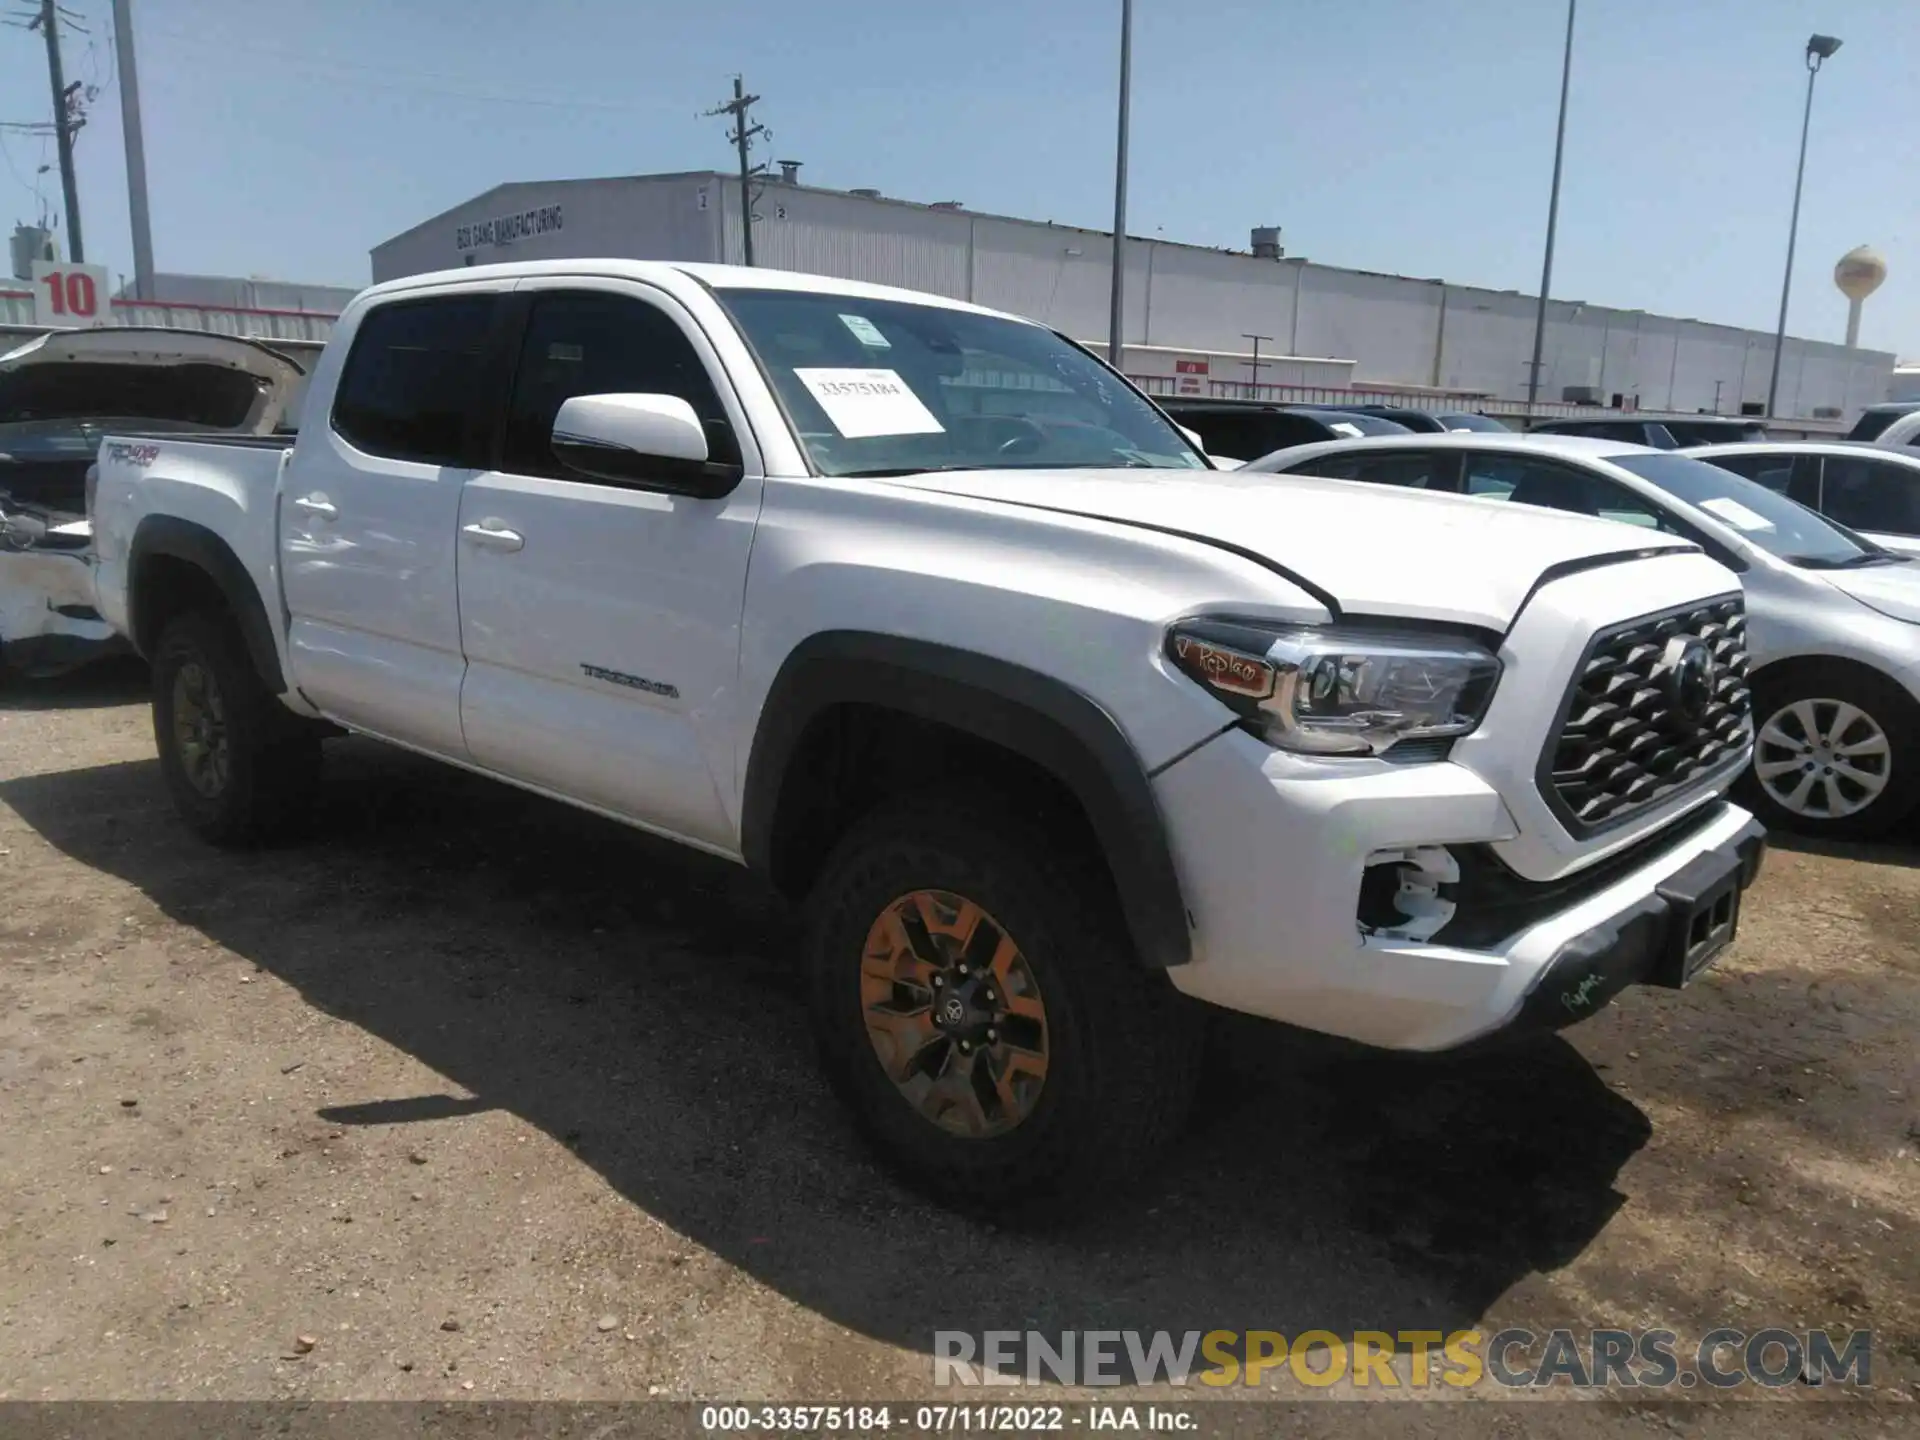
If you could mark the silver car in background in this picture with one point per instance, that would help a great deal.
(1833, 619)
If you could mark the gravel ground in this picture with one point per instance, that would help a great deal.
(472, 1096)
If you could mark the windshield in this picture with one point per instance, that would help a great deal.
(1776, 524)
(887, 387)
(1455, 421)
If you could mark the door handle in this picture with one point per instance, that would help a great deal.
(494, 535)
(317, 505)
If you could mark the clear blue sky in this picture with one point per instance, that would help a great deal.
(285, 139)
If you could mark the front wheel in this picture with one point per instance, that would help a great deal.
(979, 1007)
(1836, 753)
(241, 768)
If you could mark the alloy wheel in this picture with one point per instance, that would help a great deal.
(954, 1014)
(1822, 759)
(200, 729)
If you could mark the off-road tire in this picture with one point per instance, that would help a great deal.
(1123, 1044)
(1891, 708)
(272, 771)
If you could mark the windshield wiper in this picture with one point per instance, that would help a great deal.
(1846, 562)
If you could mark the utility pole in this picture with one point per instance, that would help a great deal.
(742, 135)
(136, 151)
(1254, 365)
(65, 106)
(1553, 218)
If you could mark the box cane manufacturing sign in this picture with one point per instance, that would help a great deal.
(505, 229)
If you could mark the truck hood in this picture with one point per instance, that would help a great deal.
(1373, 550)
(216, 382)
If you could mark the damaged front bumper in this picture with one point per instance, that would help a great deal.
(49, 620)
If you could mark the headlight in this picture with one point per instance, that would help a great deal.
(1338, 690)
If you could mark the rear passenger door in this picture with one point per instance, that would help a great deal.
(1879, 498)
(601, 620)
(367, 516)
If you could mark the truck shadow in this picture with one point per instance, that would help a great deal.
(116, 681)
(641, 1003)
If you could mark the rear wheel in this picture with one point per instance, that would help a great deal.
(980, 1009)
(241, 768)
(1836, 753)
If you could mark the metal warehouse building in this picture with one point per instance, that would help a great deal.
(1188, 307)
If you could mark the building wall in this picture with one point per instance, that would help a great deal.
(1394, 330)
(673, 217)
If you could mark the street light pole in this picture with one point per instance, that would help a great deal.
(1116, 323)
(136, 151)
(1553, 218)
(1819, 47)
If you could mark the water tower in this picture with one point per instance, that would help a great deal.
(1860, 272)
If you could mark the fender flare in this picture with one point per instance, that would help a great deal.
(1036, 716)
(196, 545)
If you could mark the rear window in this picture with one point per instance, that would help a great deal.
(1708, 432)
(1871, 425)
(411, 379)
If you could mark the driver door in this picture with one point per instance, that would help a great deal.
(601, 619)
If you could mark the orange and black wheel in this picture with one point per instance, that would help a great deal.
(981, 1010)
(954, 1013)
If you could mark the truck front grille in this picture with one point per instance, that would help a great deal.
(1658, 706)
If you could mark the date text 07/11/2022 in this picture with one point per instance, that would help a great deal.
(942, 1419)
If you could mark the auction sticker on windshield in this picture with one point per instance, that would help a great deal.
(1735, 514)
(861, 403)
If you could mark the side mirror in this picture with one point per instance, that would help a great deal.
(1193, 438)
(650, 442)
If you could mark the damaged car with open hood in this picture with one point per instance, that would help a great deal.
(60, 393)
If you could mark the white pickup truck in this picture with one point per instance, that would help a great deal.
(928, 616)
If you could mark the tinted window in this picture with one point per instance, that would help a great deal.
(598, 344)
(1453, 420)
(876, 386)
(1249, 435)
(413, 372)
(1711, 432)
(1633, 432)
(1871, 495)
(1773, 471)
(1411, 470)
(1559, 487)
(1350, 423)
(1870, 425)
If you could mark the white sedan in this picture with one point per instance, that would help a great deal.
(1833, 620)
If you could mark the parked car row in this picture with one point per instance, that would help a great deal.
(1833, 616)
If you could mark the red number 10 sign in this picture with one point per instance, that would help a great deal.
(69, 295)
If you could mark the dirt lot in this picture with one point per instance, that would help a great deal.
(487, 1098)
